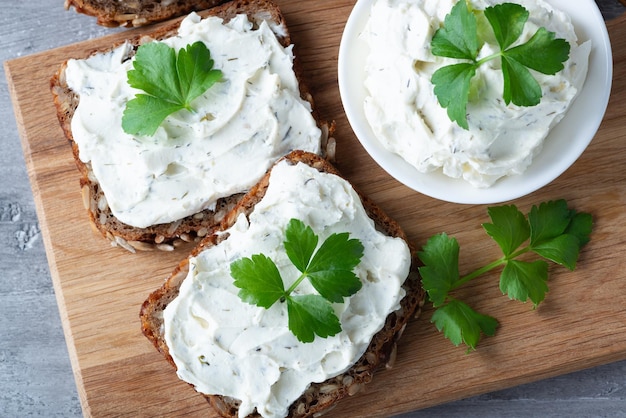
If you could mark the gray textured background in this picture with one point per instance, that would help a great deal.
(35, 372)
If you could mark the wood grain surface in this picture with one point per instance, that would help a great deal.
(99, 289)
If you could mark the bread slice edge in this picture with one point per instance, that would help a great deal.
(114, 13)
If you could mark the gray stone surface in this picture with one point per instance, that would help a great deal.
(35, 373)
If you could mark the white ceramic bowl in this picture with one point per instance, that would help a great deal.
(565, 143)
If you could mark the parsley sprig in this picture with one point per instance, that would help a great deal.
(170, 82)
(551, 231)
(329, 270)
(459, 38)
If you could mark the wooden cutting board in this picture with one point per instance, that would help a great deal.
(582, 322)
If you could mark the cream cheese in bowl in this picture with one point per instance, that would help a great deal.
(385, 66)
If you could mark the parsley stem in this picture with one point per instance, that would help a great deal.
(489, 267)
(478, 272)
(295, 284)
(488, 58)
(519, 252)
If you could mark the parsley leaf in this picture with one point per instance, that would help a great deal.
(462, 324)
(551, 231)
(550, 237)
(170, 83)
(300, 243)
(459, 38)
(440, 272)
(507, 21)
(452, 88)
(580, 226)
(548, 221)
(259, 280)
(522, 280)
(519, 85)
(329, 270)
(311, 315)
(542, 52)
(509, 227)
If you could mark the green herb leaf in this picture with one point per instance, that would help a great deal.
(580, 226)
(462, 324)
(195, 71)
(542, 52)
(522, 280)
(509, 227)
(452, 88)
(507, 21)
(440, 271)
(562, 250)
(311, 315)
(459, 38)
(548, 221)
(170, 84)
(300, 243)
(152, 110)
(259, 280)
(153, 71)
(329, 270)
(520, 87)
(558, 233)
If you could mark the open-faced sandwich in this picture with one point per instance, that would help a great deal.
(155, 186)
(295, 338)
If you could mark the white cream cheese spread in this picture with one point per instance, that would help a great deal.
(407, 119)
(225, 346)
(240, 127)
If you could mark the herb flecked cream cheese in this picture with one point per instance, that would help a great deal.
(240, 126)
(407, 119)
(224, 346)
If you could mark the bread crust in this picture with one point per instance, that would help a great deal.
(319, 396)
(192, 228)
(134, 13)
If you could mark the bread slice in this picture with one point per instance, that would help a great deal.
(319, 396)
(170, 235)
(113, 13)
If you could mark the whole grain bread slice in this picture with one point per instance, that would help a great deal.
(190, 229)
(319, 396)
(113, 13)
